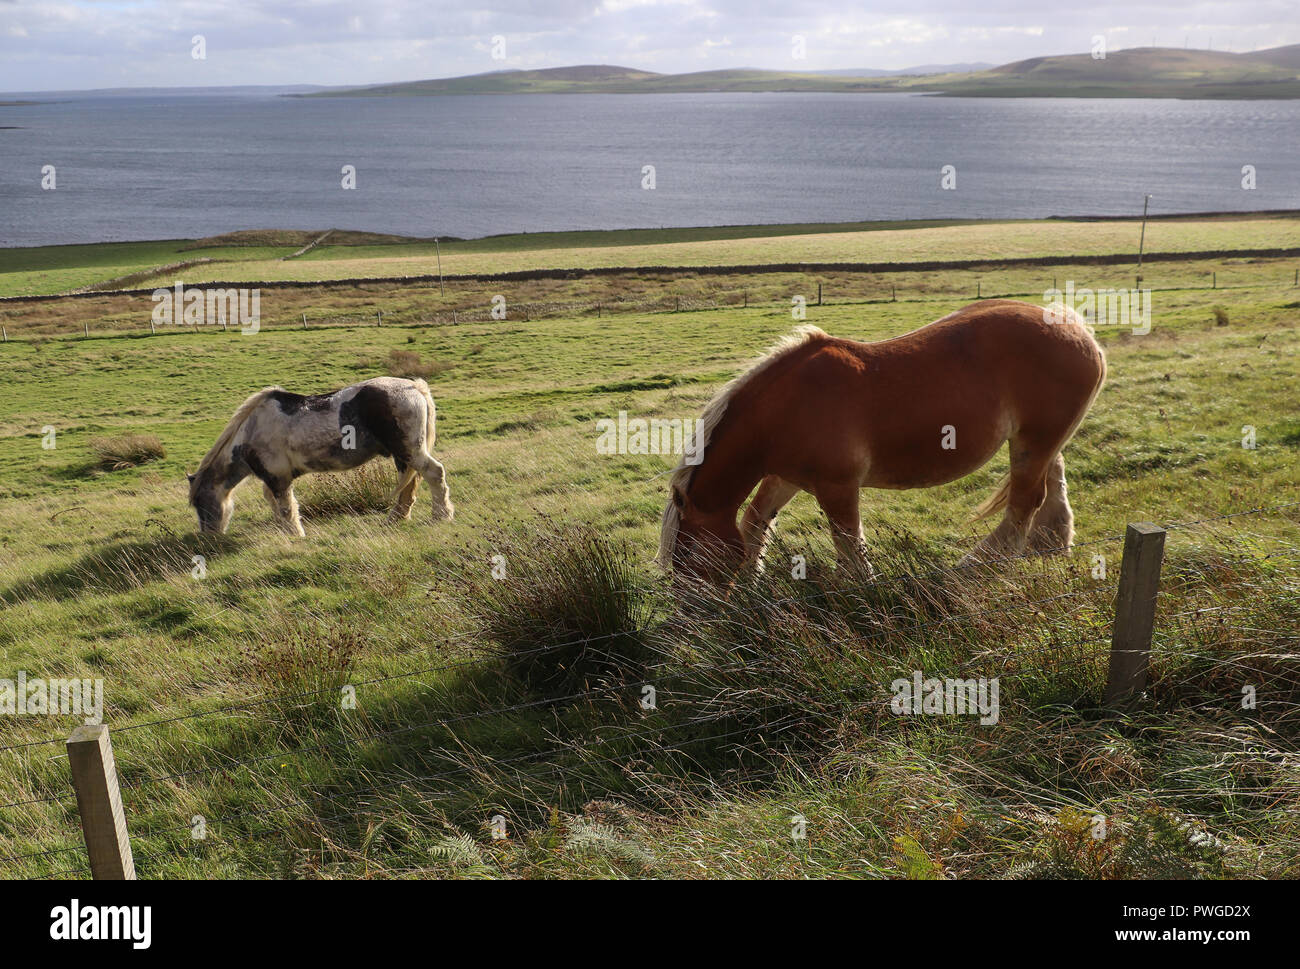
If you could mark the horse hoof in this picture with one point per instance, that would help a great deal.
(446, 513)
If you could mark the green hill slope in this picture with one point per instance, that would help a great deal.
(1140, 72)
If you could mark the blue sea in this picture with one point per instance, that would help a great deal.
(162, 166)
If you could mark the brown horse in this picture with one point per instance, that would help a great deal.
(832, 416)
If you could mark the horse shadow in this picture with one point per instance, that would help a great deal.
(123, 566)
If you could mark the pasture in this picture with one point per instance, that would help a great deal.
(269, 255)
(499, 660)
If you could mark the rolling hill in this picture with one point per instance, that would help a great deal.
(1139, 72)
(1142, 72)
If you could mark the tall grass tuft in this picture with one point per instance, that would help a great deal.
(127, 450)
(369, 488)
(408, 363)
(304, 661)
(566, 609)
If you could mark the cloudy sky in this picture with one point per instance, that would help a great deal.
(73, 44)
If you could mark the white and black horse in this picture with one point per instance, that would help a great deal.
(277, 436)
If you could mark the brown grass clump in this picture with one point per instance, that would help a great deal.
(407, 363)
(127, 450)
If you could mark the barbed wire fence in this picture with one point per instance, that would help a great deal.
(753, 733)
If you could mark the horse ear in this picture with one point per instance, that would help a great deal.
(189, 478)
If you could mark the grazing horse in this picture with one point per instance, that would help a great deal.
(832, 416)
(277, 436)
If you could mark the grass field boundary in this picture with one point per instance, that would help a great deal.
(141, 275)
(526, 275)
(309, 246)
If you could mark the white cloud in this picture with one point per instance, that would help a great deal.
(82, 43)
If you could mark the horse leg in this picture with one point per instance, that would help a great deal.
(436, 475)
(407, 481)
(272, 501)
(840, 503)
(1053, 526)
(1027, 489)
(756, 527)
(284, 506)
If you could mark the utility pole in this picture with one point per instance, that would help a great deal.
(438, 247)
(1142, 240)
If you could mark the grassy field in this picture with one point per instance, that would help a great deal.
(57, 269)
(517, 696)
(60, 269)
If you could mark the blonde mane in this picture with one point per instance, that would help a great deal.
(236, 422)
(708, 423)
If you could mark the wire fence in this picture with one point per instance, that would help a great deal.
(828, 286)
(755, 730)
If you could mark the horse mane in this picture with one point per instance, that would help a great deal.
(708, 423)
(236, 422)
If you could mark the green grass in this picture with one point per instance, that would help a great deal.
(39, 270)
(47, 270)
(98, 582)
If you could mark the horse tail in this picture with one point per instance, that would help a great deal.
(996, 501)
(430, 414)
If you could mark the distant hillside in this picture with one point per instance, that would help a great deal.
(609, 79)
(965, 68)
(1148, 72)
(1144, 72)
(555, 80)
(1281, 56)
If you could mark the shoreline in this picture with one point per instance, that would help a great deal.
(664, 234)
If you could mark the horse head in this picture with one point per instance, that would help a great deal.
(700, 544)
(211, 503)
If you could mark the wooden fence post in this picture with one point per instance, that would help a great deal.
(1135, 613)
(103, 822)
(819, 294)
